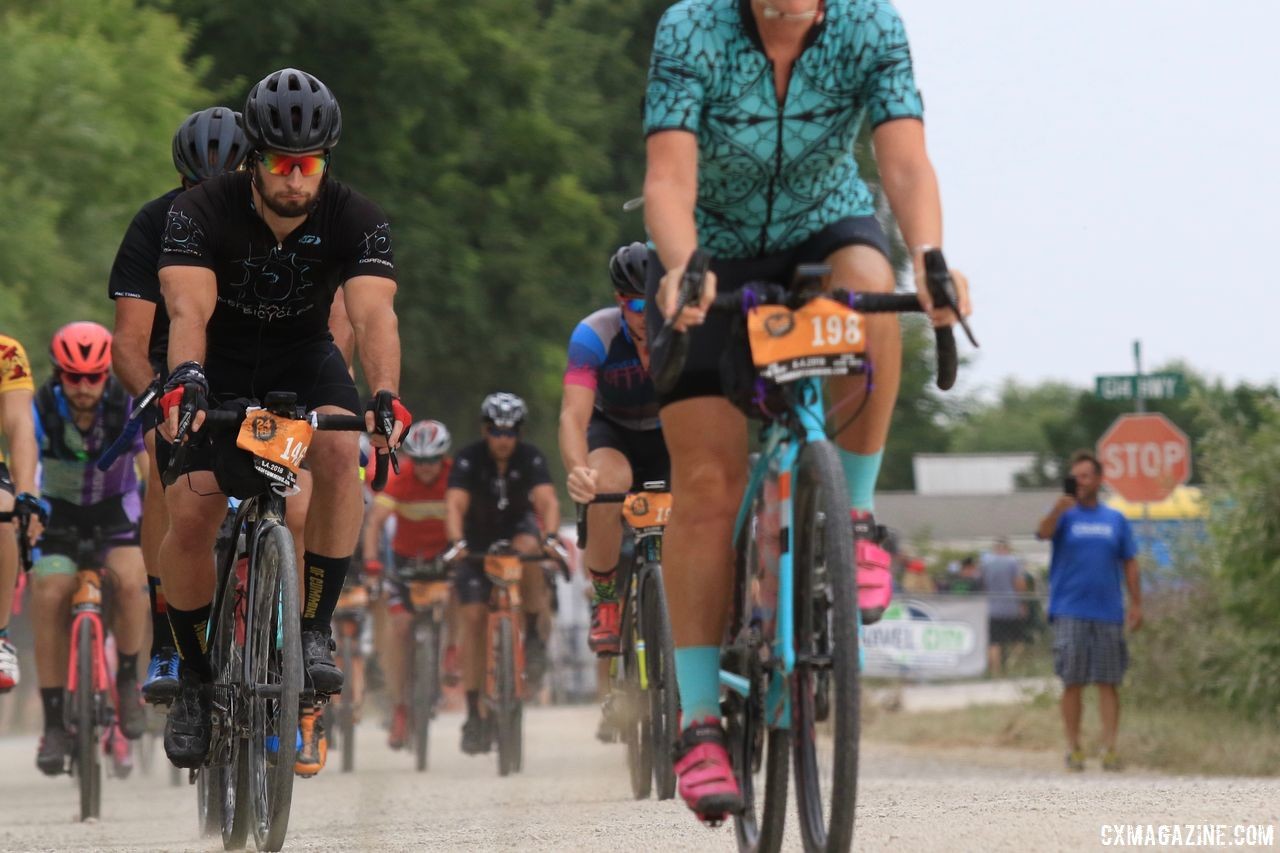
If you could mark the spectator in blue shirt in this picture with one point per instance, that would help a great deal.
(1093, 549)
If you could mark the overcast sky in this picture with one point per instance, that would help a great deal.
(1109, 172)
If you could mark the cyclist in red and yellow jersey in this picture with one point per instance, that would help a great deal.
(415, 496)
(18, 427)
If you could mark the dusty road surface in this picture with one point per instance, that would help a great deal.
(573, 795)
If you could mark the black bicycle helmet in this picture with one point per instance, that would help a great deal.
(292, 111)
(209, 143)
(628, 268)
(503, 409)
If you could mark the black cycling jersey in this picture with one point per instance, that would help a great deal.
(134, 272)
(274, 296)
(499, 502)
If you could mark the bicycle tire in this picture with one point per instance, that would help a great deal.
(664, 695)
(825, 589)
(426, 681)
(505, 664)
(222, 791)
(85, 716)
(636, 735)
(346, 712)
(209, 801)
(760, 755)
(275, 652)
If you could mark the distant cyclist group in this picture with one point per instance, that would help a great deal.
(262, 277)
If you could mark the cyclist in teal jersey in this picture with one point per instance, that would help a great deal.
(751, 113)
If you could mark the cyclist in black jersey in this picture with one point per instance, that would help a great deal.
(207, 143)
(499, 488)
(249, 267)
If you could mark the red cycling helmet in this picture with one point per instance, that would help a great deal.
(82, 347)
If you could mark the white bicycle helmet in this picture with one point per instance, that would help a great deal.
(427, 440)
(503, 409)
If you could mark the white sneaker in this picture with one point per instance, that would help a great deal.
(9, 675)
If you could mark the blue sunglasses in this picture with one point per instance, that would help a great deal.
(635, 306)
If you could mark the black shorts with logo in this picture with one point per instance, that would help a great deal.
(644, 449)
(701, 374)
(316, 372)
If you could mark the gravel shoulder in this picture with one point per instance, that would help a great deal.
(573, 795)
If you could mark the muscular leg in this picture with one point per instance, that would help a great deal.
(130, 578)
(296, 509)
(604, 521)
(155, 521)
(474, 618)
(51, 624)
(333, 524)
(196, 509)
(535, 595)
(707, 439)
(864, 268)
(395, 657)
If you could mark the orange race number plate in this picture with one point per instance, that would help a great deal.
(503, 568)
(821, 338)
(428, 593)
(278, 444)
(647, 509)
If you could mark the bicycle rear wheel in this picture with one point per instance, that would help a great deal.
(636, 733)
(826, 643)
(343, 705)
(426, 683)
(275, 654)
(507, 704)
(84, 709)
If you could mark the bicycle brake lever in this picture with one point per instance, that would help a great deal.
(942, 289)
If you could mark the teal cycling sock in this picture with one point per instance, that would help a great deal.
(860, 474)
(698, 677)
(4, 632)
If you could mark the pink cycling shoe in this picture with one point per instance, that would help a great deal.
(707, 783)
(875, 581)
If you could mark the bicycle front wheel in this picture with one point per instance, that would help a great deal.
(84, 711)
(275, 654)
(636, 734)
(664, 697)
(222, 788)
(426, 684)
(508, 698)
(826, 644)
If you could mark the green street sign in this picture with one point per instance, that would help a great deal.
(1154, 386)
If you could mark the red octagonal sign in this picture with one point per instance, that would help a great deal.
(1144, 457)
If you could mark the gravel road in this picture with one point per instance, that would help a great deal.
(574, 795)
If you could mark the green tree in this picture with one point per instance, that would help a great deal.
(93, 92)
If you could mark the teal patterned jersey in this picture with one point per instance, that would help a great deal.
(771, 175)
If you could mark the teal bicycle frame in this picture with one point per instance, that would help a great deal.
(781, 452)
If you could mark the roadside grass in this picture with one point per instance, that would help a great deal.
(1182, 740)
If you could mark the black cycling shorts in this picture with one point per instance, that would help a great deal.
(69, 524)
(701, 374)
(316, 372)
(644, 449)
(469, 580)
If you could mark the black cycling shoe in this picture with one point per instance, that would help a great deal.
(131, 712)
(317, 656)
(54, 750)
(477, 736)
(188, 728)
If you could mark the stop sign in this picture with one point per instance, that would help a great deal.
(1144, 457)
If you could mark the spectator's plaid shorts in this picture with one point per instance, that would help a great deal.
(1089, 652)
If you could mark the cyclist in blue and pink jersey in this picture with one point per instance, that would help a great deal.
(79, 411)
(610, 435)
